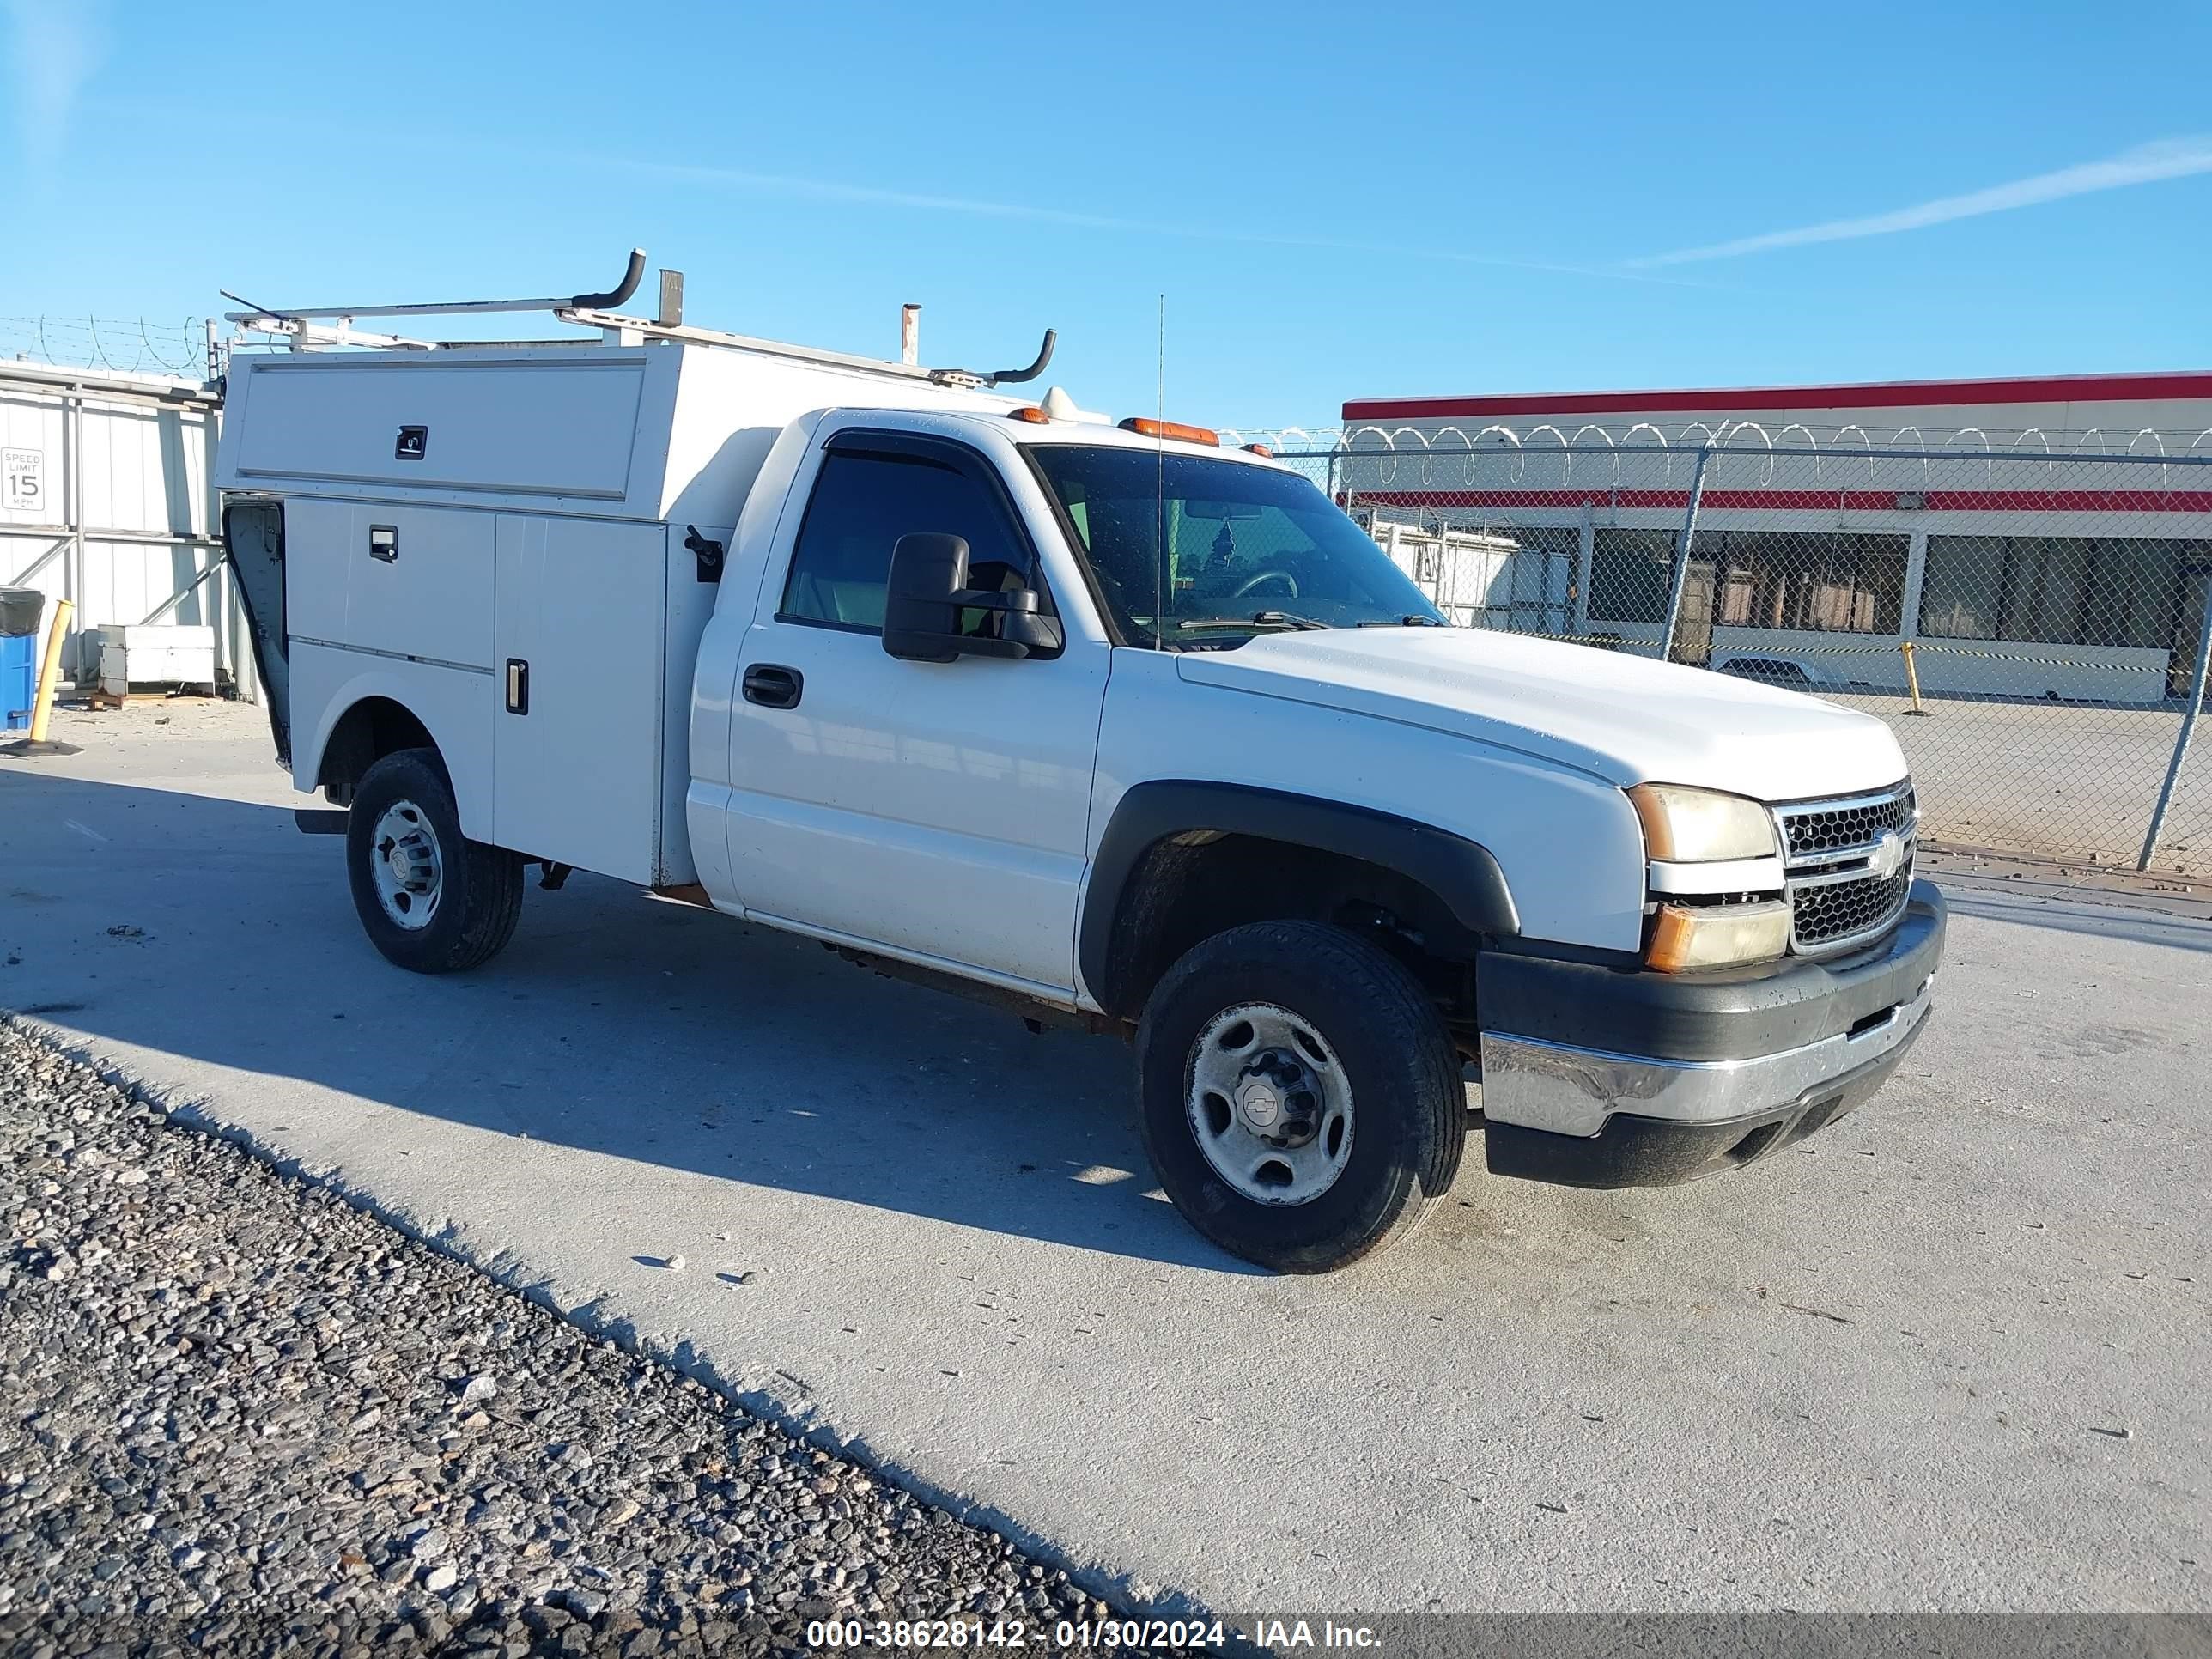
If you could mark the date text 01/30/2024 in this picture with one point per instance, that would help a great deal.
(1130, 1635)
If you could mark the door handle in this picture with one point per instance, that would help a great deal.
(773, 687)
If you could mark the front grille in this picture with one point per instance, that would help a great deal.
(1815, 829)
(1820, 915)
(1847, 867)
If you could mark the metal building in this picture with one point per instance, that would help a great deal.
(105, 499)
(2045, 537)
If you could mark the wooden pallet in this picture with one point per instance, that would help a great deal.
(100, 697)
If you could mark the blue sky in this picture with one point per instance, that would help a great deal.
(1338, 202)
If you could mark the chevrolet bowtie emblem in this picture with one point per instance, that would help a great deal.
(1888, 854)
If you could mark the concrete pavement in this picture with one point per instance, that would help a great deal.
(1949, 1356)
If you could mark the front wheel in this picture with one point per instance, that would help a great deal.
(430, 899)
(1302, 1102)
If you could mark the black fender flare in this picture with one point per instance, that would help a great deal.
(1463, 874)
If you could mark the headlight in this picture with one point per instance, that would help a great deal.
(1702, 826)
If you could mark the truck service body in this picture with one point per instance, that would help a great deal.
(1151, 745)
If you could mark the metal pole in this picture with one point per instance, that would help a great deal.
(2188, 731)
(1916, 583)
(1585, 562)
(213, 564)
(73, 460)
(1682, 557)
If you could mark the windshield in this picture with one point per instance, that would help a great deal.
(1192, 552)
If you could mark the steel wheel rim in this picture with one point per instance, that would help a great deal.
(407, 866)
(1269, 1104)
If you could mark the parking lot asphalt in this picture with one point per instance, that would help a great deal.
(1949, 1356)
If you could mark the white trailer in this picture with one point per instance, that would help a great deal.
(1477, 579)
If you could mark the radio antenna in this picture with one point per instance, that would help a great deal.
(1162, 578)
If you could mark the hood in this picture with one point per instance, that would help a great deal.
(1625, 719)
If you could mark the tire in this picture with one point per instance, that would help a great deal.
(1359, 1026)
(464, 897)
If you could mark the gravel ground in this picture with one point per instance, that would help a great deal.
(240, 1413)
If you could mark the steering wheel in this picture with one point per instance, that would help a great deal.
(1261, 578)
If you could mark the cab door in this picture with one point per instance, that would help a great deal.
(941, 809)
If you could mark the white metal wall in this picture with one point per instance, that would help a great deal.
(122, 518)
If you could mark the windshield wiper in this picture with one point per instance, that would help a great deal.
(1413, 620)
(1257, 619)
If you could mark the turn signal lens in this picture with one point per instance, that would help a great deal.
(1701, 826)
(1175, 429)
(1717, 935)
(1031, 413)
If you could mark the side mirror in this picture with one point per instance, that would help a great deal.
(926, 590)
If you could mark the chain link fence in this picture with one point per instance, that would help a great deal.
(2033, 623)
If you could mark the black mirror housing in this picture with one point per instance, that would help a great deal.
(926, 590)
(920, 622)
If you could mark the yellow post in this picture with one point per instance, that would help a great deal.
(50, 670)
(1912, 678)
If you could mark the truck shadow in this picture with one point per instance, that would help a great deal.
(211, 930)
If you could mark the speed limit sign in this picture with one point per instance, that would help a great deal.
(22, 479)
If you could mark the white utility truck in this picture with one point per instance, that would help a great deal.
(1106, 722)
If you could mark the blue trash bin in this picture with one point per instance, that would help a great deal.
(19, 608)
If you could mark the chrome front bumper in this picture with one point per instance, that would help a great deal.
(1564, 1090)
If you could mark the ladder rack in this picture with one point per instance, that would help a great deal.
(302, 327)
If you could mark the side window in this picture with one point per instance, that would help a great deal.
(863, 503)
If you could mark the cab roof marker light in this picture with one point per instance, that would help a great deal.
(1032, 414)
(1177, 431)
(1260, 450)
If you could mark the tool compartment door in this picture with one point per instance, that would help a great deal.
(401, 580)
(577, 670)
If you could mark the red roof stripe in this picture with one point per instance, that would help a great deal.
(1857, 500)
(1886, 394)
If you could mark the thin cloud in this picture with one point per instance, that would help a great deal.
(827, 189)
(2171, 158)
(823, 190)
(58, 46)
(797, 187)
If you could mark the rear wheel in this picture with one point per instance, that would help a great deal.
(430, 899)
(1302, 1100)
